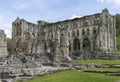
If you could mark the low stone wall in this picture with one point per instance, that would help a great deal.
(29, 73)
(44, 70)
(94, 55)
(7, 80)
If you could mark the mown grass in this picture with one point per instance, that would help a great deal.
(97, 61)
(116, 52)
(75, 76)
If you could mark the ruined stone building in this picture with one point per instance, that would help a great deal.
(95, 32)
(3, 44)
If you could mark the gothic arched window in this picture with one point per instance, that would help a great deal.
(83, 32)
(77, 32)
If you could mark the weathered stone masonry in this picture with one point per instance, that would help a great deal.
(3, 44)
(95, 32)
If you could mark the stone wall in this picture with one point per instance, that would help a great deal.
(94, 55)
(3, 44)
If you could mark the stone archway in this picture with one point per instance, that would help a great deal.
(86, 44)
(76, 43)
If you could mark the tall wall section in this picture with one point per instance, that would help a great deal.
(95, 32)
(3, 44)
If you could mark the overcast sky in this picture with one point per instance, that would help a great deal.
(50, 10)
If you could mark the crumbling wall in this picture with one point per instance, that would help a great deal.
(3, 44)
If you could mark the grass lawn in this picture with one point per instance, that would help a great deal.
(97, 61)
(75, 76)
(117, 52)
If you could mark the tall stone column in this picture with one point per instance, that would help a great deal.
(114, 34)
(91, 45)
(57, 46)
(67, 48)
(72, 47)
(81, 46)
(3, 44)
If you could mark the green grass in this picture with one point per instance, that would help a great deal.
(117, 52)
(75, 76)
(97, 61)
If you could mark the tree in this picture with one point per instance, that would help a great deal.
(9, 45)
(117, 16)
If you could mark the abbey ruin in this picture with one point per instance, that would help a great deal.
(95, 32)
(45, 48)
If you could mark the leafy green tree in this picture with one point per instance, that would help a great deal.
(117, 16)
(9, 45)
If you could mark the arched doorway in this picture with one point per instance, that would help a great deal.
(86, 44)
(76, 44)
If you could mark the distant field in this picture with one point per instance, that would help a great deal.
(75, 76)
(97, 61)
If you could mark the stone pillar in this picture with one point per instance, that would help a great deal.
(91, 45)
(3, 44)
(81, 46)
(72, 47)
(57, 46)
(57, 54)
(114, 34)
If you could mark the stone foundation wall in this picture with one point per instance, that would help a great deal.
(94, 55)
